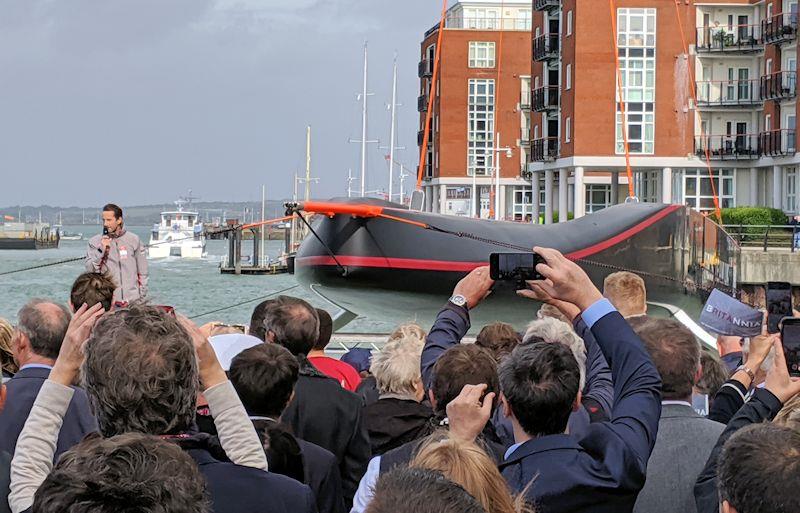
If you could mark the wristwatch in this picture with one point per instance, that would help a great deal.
(459, 300)
(746, 370)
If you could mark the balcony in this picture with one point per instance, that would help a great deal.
(425, 68)
(546, 5)
(422, 103)
(778, 143)
(728, 147)
(525, 100)
(420, 137)
(736, 39)
(545, 99)
(728, 93)
(779, 86)
(545, 48)
(781, 28)
(544, 150)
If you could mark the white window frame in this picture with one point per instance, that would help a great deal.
(791, 177)
(521, 202)
(636, 38)
(568, 130)
(569, 23)
(480, 141)
(724, 179)
(568, 77)
(481, 54)
(591, 189)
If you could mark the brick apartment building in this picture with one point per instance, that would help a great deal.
(744, 56)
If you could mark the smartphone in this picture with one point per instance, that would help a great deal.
(519, 267)
(790, 335)
(779, 304)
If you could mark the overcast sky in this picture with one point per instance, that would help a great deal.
(135, 101)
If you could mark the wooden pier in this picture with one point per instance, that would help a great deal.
(233, 262)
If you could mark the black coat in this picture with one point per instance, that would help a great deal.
(305, 462)
(392, 422)
(235, 488)
(325, 414)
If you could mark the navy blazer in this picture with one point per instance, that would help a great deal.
(234, 489)
(22, 391)
(603, 470)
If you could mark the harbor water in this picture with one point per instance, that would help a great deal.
(193, 287)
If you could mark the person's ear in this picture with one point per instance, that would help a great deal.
(291, 398)
(698, 375)
(577, 404)
(270, 336)
(71, 307)
(727, 508)
(2, 396)
(506, 407)
(432, 399)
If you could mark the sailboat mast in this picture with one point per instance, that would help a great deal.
(392, 130)
(364, 127)
(308, 163)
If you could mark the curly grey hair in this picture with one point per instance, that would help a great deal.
(553, 330)
(397, 366)
(141, 372)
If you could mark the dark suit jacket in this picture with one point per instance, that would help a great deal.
(325, 414)
(684, 442)
(603, 470)
(22, 391)
(234, 489)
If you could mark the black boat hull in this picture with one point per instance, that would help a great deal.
(398, 272)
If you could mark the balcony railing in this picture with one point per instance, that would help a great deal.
(779, 86)
(545, 98)
(780, 28)
(739, 38)
(728, 93)
(525, 100)
(422, 103)
(420, 137)
(543, 150)
(425, 68)
(728, 147)
(458, 22)
(545, 47)
(546, 5)
(778, 143)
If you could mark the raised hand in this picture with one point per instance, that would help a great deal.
(475, 286)
(209, 368)
(536, 292)
(467, 415)
(778, 380)
(70, 356)
(565, 280)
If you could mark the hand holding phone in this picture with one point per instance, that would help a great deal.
(779, 304)
(790, 337)
(517, 267)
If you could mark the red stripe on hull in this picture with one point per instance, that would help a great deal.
(446, 265)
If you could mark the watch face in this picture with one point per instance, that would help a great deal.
(458, 300)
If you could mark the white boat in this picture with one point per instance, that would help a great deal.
(179, 234)
(71, 236)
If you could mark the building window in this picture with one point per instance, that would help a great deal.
(647, 186)
(523, 20)
(481, 54)
(569, 23)
(568, 130)
(523, 203)
(697, 191)
(568, 77)
(480, 127)
(636, 37)
(481, 19)
(598, 197)
(790, 186)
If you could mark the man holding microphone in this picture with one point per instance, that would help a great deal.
(121, 255)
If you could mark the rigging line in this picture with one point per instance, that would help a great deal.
(622, 100)
(693, 91)
(241, 303)
(342, 268)
(423, 151)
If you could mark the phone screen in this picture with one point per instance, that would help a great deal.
(779, 304)
(514, 266)
(790, 335)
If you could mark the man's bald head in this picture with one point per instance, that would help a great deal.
(44, 323)
(292, 323)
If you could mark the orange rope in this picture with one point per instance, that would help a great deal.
(423, 153)
(692, 88)
(631, 193)
(267, 221)
(406, 221)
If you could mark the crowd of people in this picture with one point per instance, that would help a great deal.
(135, 408)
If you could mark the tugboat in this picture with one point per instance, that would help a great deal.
(179, 234)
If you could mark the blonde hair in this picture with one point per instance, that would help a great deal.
(408, 330)
(627, 293)
(548, 310)
(466, 464)
(397, 366)
(6, 355)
